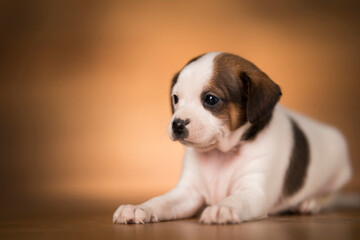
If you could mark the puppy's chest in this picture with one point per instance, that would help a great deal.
(217, 172)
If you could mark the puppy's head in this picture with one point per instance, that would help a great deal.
(217, 95)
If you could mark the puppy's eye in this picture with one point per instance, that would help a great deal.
(175, 99)
(211, 100)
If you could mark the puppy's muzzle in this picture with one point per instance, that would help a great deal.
(179, 128)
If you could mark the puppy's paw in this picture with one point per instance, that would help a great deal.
(219, 214)
(133, 214)
(310, 206)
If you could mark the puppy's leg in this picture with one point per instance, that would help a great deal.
(179, 203)
(316, 204)
(242, 206)
(324, 201)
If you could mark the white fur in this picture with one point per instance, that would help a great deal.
(241, 181)
(203, 127)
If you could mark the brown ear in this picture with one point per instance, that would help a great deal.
(262, 94)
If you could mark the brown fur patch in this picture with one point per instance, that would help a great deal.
(233, 116)
(246, 93)
(225, 86)
(299, 162)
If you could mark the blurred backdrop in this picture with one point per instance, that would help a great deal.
(84, 85)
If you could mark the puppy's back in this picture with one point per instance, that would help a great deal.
(329, 166)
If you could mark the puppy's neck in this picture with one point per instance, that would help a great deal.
(217, 154)
(231, 141)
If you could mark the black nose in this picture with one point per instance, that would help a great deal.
(179, 128)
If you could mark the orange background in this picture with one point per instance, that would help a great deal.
(85, 84)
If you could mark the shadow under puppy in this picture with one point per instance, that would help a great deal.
(246, 155)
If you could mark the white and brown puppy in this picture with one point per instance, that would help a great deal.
(246, 155)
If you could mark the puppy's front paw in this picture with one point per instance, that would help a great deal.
(133, 214)
(219, 214)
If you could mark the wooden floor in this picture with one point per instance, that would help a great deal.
(91, 224)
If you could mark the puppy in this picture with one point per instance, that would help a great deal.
(246, 156)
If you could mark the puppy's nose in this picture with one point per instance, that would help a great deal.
(179, 127)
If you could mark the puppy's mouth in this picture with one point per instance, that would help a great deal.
(201, 146)
(186, 142)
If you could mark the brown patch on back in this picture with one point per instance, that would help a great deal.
(246, 92)
(299, 162)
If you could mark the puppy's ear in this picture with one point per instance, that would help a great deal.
(262, 94)
(173, 82)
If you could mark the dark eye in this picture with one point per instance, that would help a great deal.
(175, 99)
(211, 100)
